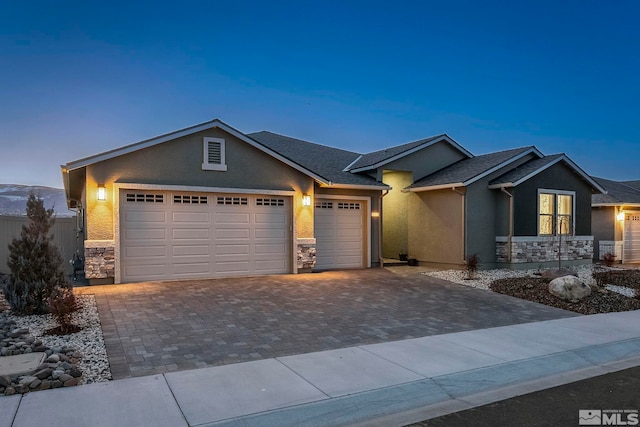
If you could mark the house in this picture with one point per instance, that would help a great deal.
(211, 201)
(616, 220)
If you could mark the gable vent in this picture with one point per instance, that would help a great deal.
(214, 152)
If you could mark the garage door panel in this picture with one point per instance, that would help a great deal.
(145, 234)
(191, 250)
(234, 235)
(232, 218)
(339, 234)
(191, 217)
(146, 217)
(190, 234)
(631, 237)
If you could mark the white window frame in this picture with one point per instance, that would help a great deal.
(222, 166)
(556, 193)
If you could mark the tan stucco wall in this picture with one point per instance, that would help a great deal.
(395, 220)
(436, 230)
(179, 162)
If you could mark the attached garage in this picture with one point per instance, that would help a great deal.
(180, 235)
(340, 233)
(631, 243)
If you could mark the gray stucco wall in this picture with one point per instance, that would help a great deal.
(557, 177)
(603, 227)
(426, 161)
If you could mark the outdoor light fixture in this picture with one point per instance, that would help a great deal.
(306, 200)
(375, 214)
(620, 216)
(102, 193)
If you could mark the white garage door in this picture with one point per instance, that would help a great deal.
(339, 234)
(632, 237)
(177, 235)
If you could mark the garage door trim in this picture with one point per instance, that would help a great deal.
(367, 218)
(117, 187)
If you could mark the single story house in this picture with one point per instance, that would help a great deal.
(616, 220)
(211, 201)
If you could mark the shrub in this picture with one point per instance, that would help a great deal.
(36, 265)
(471, 265)
(609, 259)
(62, 305)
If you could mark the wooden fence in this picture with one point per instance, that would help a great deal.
(64, 235)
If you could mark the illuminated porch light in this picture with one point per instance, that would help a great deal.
(375, 214)
(102, 193)
(620, 216)
(306, 200)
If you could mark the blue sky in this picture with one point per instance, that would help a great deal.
(79, 78)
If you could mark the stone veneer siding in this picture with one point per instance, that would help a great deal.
(306, 253)
(99, 259)
(542, 249)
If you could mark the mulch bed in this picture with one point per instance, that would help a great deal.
(600, 301)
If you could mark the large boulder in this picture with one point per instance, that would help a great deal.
(569, 288)
(553, 273)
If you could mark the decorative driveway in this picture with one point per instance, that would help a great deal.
(157, 327)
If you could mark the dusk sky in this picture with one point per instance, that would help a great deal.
(79, 78)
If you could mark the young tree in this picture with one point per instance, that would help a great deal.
(36, 264)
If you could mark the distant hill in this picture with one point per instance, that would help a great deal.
(13, 199)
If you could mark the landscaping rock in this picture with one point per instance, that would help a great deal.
(554, 273)
(569, 288)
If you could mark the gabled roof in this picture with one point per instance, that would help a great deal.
(327, 162)
(216, 123)
(617, 193)
(382, 157)
(533, 167)
(467, 171)
(635, 184)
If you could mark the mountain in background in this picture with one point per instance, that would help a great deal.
(13, 199)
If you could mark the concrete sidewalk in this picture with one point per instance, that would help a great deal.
(393, 383)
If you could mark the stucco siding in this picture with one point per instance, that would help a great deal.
(179, 162)
(436, 227)
(557, 177)
(395, 225)
(428, 160)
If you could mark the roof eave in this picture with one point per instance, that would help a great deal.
(452, 186)
(603, 205)
(356, 186)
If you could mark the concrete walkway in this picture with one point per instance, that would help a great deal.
(392, 383)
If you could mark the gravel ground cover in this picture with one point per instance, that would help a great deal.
(613, 289)
(89, 341)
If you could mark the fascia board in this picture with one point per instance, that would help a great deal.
(413, 150)
(356, 186)
(434, 187)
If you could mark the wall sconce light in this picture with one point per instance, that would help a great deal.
(306, 200)
(620, 216)
(375, 214)
(102, 193)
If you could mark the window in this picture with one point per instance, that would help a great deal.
(555, 212)
(144, 198)
(193, 200)
(214, 155)
(269, 202)
(220, 200)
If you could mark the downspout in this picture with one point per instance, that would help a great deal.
(510, 236)
(380, 260)
(464, 223)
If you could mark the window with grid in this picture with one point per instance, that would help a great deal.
(269, 202)
(214, 156)
(555, 213)
(187, 199)
(229, 200)
(144, 198)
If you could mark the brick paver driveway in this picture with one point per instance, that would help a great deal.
(157, 327)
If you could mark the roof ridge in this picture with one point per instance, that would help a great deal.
(302, 140)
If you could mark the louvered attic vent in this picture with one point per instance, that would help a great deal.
(214, 158)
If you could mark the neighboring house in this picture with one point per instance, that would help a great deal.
(616, 220)
(211, 201)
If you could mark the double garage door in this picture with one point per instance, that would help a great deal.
(631, 237)
(181, 235)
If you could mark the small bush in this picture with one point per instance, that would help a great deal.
(471, 265)
(609, 259)
(62, 305)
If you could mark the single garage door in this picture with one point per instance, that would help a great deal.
(632, 237)
(339, 234)
(179, 235)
